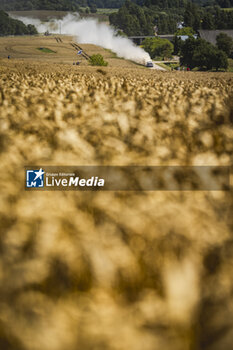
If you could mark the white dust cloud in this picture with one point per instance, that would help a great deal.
(90, 31)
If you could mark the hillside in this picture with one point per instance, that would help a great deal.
(58, 51)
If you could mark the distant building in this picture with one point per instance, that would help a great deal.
(155, 30)
(185, 37)
(210, 35)
(180, 25)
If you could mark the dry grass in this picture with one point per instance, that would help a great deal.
(114, 271)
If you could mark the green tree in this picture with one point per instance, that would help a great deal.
(29, 5)
(207, 21)
(199, 53)
(98, 60)
(224, 43)
(32, 29)
(10, 26)
(166, 24)
(204, 56)
(133, 20)
(187, 52)
(192, 16)
(185, 31)
(93, 8)
(220, 60)
(158, 47)
(177, 42)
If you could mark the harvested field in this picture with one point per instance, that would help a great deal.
(114, 271)
(26, 48)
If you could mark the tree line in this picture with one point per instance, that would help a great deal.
(10, 26)
(207, 17)
(58, 5)
(143, 17)
(27, 5)
(154, 16)
(74, 5)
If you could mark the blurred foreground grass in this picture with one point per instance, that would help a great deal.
(114, 271)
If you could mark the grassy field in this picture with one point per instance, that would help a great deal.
(112, 270)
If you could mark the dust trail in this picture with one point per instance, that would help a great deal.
(90, 31)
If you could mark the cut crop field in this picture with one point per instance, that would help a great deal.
(26, 48)
(113, 270)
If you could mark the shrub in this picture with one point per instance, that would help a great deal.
(98, 60)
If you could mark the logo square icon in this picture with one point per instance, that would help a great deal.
(35, 178)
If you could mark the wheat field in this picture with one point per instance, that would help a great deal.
(114, 270)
